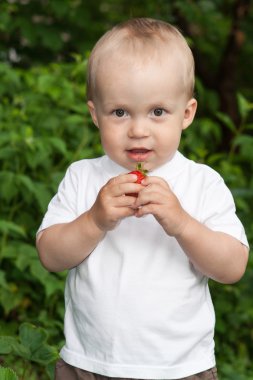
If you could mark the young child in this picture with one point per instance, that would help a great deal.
(137, 299)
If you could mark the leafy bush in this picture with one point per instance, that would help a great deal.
(44, 125)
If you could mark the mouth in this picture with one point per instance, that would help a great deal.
(139, 154)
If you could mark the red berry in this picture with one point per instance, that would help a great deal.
(141, 174)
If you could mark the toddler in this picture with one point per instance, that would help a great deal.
(137, 299)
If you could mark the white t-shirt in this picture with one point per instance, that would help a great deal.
(136, 307)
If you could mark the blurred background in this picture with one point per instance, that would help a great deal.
(44, 125)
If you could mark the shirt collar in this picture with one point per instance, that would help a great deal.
(169, 170)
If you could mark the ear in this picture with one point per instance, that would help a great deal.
(93, 114)
(189, 112)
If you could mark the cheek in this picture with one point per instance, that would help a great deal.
(169, 139)
(110, 139)
(169, 133)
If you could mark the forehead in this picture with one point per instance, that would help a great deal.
(160, 61)
(127, 80)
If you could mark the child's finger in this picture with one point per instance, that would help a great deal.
(150, 180)
(153, 193)
(121, 185)
(125, 177)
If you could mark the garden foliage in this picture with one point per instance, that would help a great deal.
(45, 125)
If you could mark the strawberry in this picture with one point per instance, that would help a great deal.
(140, 173)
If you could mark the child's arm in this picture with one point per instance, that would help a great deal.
(215, 254)
(64, 246)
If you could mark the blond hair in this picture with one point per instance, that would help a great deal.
(146, 33)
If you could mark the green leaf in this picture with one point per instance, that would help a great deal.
(3, 283)
(50, 282)
(244, 106)
(25, 255)
(7, 374)
(10, 298)
(245, 143)
(45, 354)
(6, 153)
(21, 351)
(75, 120)
(6, 344)
(11, 228)
(226, 120)
(8, 188)
(32, 337)
(24, 180)
(42, 195)
(10, 345)
(58, 144)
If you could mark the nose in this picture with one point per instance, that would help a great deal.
(138, 128)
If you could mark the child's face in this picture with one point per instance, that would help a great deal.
(141, 110)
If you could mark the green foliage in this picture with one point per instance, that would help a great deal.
(44, 126)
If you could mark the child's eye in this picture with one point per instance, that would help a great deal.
(158, 111)
(119, 112)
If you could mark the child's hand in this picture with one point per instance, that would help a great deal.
(156, 198)
(215, 254)
(112, 203)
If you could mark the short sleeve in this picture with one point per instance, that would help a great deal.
(220, 212)
(62, 208)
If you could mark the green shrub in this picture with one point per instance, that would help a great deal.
(44, 126)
